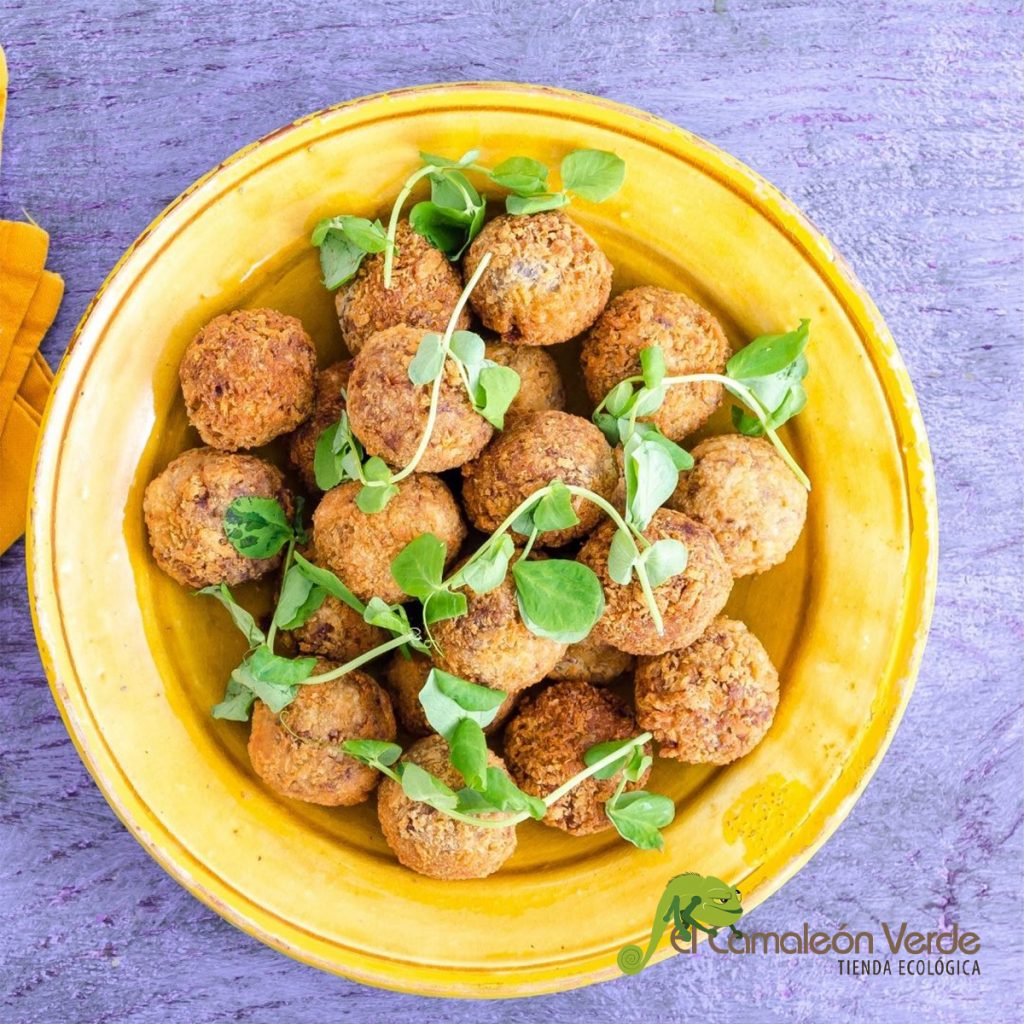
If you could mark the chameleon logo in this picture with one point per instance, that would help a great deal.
(689, 901)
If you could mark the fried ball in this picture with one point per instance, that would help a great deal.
(337, 631)
(328, 405)
(545, 743)
(298, 751)
(389, 413)
(247, 378)
(691, 340)
(687, 602)
(490, 644)
(425, 288)
(359, 547)
(712, 702)
(536, 449)
(746, 495)
(591, 661)
(405, 678)
(428, 840)
(547, 280)
(540, 385)
(184, 508)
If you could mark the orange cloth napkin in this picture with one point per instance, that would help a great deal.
(29, 299)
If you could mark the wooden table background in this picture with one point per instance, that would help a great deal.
(896, 126)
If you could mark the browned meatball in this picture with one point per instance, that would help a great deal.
(337, 631)
(405, 679)
(359, 547)
(247, 378)
(691, 340)
(540, 385)
(536, 449)
(389, 413)
(590, 661)
(491, 646)
(545, 743)
(547, 280)
(429, 841)
(741, 489)
(298, 752)
(712, 702)
(328, 406)
(687, 602)
(184, 508)
(424, 290)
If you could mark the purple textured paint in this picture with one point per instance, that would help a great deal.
(896, 126)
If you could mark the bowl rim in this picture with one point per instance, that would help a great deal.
(887, 364)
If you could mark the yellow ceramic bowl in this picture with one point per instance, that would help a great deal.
(135, 661)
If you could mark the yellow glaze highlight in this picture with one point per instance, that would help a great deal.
(135, 662)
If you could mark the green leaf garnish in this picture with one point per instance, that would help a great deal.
(447, 700)
(375, 753)
(329, 582)
(239, 616)
(520, 206)
(522, 175)
(639, 816)
(257, 527)
(632, 760)
(418, 567)
(454, 215)
(622, 557)
(418, 784)
(344, 242)
(468, 749)
(554, 511)
(499, 793)
(558, 599)
(273, 679)
(651, 479)
(300, 597)
(428, 361)
(664, 559)
(486, 571)
(593, 174)
(237, 703)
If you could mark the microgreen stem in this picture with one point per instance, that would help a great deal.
(396, 212)
(349, 666)
(652, 604)
(286, 565)
(435, 392)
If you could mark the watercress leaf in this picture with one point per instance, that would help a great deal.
(768, 354)
(521, 205)
(664, 559)
(648, 400)
(452, 191)
(428, 361)
(419, 784)
(374, 498)
(502, 794)
(639, 815)
(393, 618)
(558, 599)
(447, 700)
(637, 765)
(467, 347)
(601, 750)
(372, 752)
(496, 390)
(468, 750)
(554, 511)
(329, 582)
(620, 398)
(300, 597)
(237, 703)
(488, 569)
(442, 161)
(339, 259)
(622, 556)
(327, 465)
(239, 616)
(257, 527)
(522, 175)
(268, 667)
(444, 604)
(593, 174)
(651, 479)
(439, 228)
(609, 426)
(680, 457)
(652, 363)
(418, 567)
(369, 236)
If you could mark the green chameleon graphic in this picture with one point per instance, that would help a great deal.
(689, 901)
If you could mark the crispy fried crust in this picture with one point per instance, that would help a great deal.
(337, 631)
(547, 280)
(712, 702)
(389, 413)
(691, 340)
(324, 715)
(748, 497)
(688, 602)
(328, 406)
(540, 384)
(184, 508)
(247, 378)
(425, 287)
(430, 842)
(536, 449)
(359, 548)
(591, 661)
(545, 743)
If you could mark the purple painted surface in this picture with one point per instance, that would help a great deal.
(897, 127)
